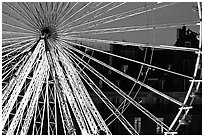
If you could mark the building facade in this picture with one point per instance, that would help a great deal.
(170, 84)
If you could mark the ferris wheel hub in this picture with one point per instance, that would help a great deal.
(48, 33)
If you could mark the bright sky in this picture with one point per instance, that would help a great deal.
(177, 13)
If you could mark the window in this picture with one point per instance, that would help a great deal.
(128, 52)
(137, 124)
(188, 44)
(153, 82)
(162, 83)
(186, 66)
(100, 84)
(115, 127)
(124, 68)
(159, 129)
(116, 102)
(117, 82)
(139, 100)
(160, 103)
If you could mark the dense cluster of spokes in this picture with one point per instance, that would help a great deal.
(47, 79)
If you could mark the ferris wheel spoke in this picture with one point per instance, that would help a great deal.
(94, 6)
(98, 20)
(71, 98)
(88, 13)
(188, 93)
(16, 38)
(17, 27)
(67, 12)
(37, 14)
(116, 17)
(142, 45)
(14, 33)
(22, 15)
(129, 77)
(84, 100)
(21, 79)
(55, 5)
(7, 45)
(12, 83)
(29, 28)
(34, 109)
(35, 18)
(106, 101)
(128, 29)
(192, 81)
(41, 116)
(34, 86)
(54, 14)
(84, 95)
(115, 6)
(39, 110)
(130, 91)
(46, 5)
(51, 94)
(52, 6)
(23, 48)
(85, 15)
(50, 13)
(29, 14)
(12, 61)
(67, 122)
(82, 8)
(129, 99)
(34, 104)
(44, 18)
(81, 100)
(51, 111)
(60, 12)
(180, 110)
(83, 104)
(7, 72)
(124, 105)
(16, 106)
(123, 94)
(4, 40)
(92, 52)
(7, 48)
(190, 104)
(66, 90)
(148, 65)
(98, 14)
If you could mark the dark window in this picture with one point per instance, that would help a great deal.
(188, 44)
(137, 124)
(116, 102)
(159, 129)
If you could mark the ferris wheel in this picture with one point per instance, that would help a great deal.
(54, 53)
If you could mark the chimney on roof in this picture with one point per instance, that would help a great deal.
(181, 32)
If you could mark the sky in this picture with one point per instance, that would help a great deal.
(177, 13)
